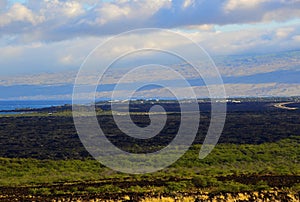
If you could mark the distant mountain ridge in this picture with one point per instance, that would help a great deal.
(274, 74)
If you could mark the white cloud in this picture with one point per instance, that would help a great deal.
(231, 5)
(73, 9)
(55, 9)
(188, 3)
(282, 14)
(128, 10)
(59, 19)
(204, 27)
(19, 13)
(44, 57)
(71, 53)
(284, 32)
(110, 12)
(247, 40)
(68, 59)
(296, 38)
(59, 34)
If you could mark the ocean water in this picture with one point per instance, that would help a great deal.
(36, 104)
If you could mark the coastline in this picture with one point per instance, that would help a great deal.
(283, 105)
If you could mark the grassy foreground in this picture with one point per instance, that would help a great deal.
(229, 167)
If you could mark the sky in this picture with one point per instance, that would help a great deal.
(51, 36)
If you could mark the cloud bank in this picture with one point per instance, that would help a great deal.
(52, 20)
